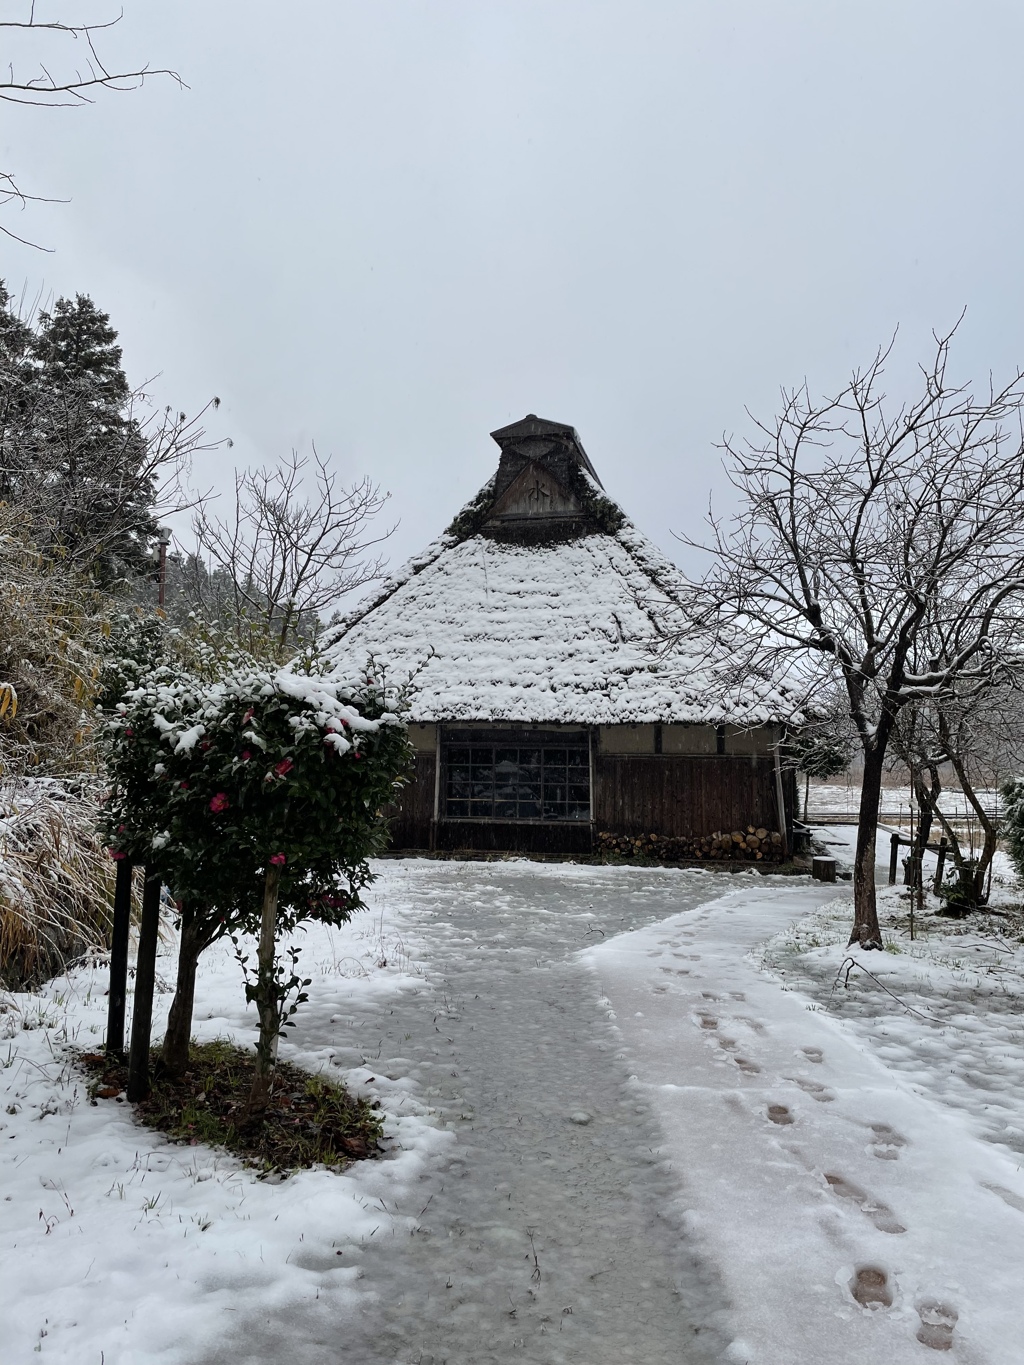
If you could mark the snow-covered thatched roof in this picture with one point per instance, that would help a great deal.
(543, 603)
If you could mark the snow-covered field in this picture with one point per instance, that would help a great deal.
(836, 1173)
(842, 798)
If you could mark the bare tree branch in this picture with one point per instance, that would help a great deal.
(39, 84)
(885, 547)
(290, 558)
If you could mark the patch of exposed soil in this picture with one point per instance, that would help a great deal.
(311, 1121)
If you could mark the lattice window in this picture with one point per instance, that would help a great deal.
(526, 781)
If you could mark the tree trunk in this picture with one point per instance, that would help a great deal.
(865, 931)
(179, 1021)
(145, 978)
(924, 824)
(267, 1002)
(988, 850)
(119, 935)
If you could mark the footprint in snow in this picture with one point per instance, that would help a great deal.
(887, 1142)
(813, 1054)
(880, 1214)
(744, 1064)
(729, 1045)
(870, 1287)
(708, 1021)
(937, 1323)
(778, 1113)
(821, 1093)
(1007, 1196)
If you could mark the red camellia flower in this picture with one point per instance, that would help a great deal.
(246, 755)
(285, 766)
(183, 786)
(248, 716)
(219, 802)
(278, 860)
(129, 731)
(116, 854)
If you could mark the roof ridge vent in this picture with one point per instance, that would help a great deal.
(537, 438)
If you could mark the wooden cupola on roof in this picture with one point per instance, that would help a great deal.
(539, 489)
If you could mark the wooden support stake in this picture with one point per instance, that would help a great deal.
(145, 974)
(894, 857)
(119, 959)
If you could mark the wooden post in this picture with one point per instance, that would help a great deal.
(145, 974)
(119, 959)
(894, 857)
(940, 863)
(823, 869)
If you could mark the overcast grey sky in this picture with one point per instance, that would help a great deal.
(392, 226)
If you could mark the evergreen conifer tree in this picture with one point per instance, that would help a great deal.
(91, 494)
(16, 390)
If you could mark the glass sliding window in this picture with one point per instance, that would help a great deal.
(510, 781)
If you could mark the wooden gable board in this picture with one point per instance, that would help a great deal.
(534, 493)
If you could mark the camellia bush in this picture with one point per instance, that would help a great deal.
(257, 799)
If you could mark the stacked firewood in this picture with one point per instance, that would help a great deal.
(750, 844)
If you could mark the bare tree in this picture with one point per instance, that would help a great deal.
(93, 505)
(975, 733)
(286, 558)
(61, 68)
(858, 522)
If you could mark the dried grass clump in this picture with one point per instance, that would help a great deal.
(56, 879)
(51, 622)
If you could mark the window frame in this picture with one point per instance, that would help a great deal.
(574, 812)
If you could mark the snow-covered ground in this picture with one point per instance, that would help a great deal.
(842, 798)
(656, 1133)
(120, 1248)
(831, 1155)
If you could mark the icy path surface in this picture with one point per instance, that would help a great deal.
(547, 1235)
(855, 1217)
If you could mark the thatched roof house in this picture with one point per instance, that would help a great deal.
(544, 711)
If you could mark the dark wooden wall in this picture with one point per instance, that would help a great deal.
(671, 794)
(556, 838)
(411, 817)
(683, 794)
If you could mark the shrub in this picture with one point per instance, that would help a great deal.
(56, 879)
(258, 800)
(1013, 822)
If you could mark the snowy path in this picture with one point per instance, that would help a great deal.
(656, 1151)
(543, 1237)
(812, 1175)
